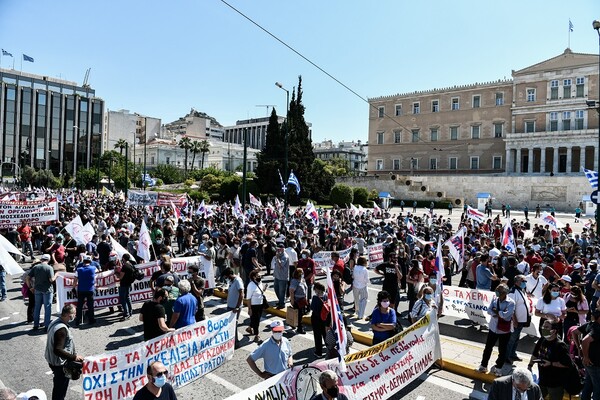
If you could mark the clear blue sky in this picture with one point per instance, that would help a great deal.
(161, 58)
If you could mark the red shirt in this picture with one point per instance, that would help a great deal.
(339, 266)
(24, 233)
(59, 252)
(308, 266)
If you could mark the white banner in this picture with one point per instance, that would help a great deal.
(188, 353)
(375, 252)
(473, 304)
(107, 287)
(375, 373)
(35, 212)
(322, 259)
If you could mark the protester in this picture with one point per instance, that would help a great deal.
(280, 266)
(197, 284)
(235, 296)
(298, 299)
(518, 385)
(158, 386)
(254, 295)
(172, 295)
(536, 282)
(60, 349)
(576, 309)
(184, 309)
(522, 317)
(320, 317)
(501, 309)
(331, 340)
(392, 276)
(307, 264)
(276, 353)
(2, 283)
(383, 318)
(328, 380)
(551, 306)
(43, 277)
(85, 282)
(590, 355)
(424, 305)
(126, 278)
(360, 285)
(152, 314)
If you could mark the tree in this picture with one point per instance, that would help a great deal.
(337, 166)
(167, 173)
(186, 144)
(195, 149)
(341, 195)
(323, 181)
(271, 158)
(361, 196)
(121, 145)
(204, 148)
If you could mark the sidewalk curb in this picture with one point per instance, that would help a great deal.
(466, 371)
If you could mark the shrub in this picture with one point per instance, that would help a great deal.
(361, 196)
(341, 195)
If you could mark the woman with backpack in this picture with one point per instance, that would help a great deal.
(577, 309)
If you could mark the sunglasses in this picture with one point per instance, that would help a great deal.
(159, 374)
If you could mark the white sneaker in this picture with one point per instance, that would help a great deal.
(496, 371)
(482, 369)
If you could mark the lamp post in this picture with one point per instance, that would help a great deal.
(127, 167)
(99, 135)
(244, 169)
(596, 26)
(285, 168)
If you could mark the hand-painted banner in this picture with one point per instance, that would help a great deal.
(323, 258)
(107, 285)
(375, 373)
(34, 212)
(375, 252)
(163, 199)
(188, 353)
(473, 304)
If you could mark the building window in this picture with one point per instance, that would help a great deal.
(475, 162)
(434, 134)
(529, 126)
(453, 163)
(476, 101)
(397, 136)
(379, 165)
(379, 137)
(415, 135)
(498, 130)
(433, 163)
(398, 111)
(579, 117)
(435, 106)
(554, 90)
(499, 99)
(475, 131)
(566, 120)
(497, 162)
(416, 108)
(579, 87)
(455, 103)
(414, 163)
(567, 89)
(168, 160)
(396, 164)
(454, 133)
(152, 160)
(530, 94)
(381, 111)
(553, 121)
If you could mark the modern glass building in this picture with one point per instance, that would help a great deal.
(48, 123)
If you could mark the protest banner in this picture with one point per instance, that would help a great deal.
(34, 212)
(375, 252)
(188, 353)
(107, 286)
(322, 259)
(375, 373)
(165, 199)
(472, 304)
(162, 199)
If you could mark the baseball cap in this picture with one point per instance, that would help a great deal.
(277, 326)
(87, 258)
(565, 278)
(32, 394)
(576, 266)
(45, 257)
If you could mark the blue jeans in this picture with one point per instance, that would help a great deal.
(591, 384)
(280, 288)
(27, 247)
(125, 300)
(45, 299)
(3, 284)
(88, 298)
(513, 342)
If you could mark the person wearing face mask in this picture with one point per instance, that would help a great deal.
(235, 296)
(587, 340)
(359, 286)
(197, 284)
(501, 309)
(152, 314)
(552, 356)
(383, 319)
(318, 301)
(522, 316)
(254, 294)
(551, 306)
(157, 387)
(307, 264)
(280, 265)
(298, 299)
(519, 385)
(60, 348)
(536, 282)
(422, 306)
(328, 380)
(275, 352)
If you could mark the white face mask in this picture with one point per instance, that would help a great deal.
(277, 335)
(385, 304)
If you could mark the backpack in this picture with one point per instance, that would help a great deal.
(347, 275)
(138, 274)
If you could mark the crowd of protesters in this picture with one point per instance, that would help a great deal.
(556, 266)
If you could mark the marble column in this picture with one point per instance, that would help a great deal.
(595, 158)
(518, 161)
(542, 160)
(508, 162)
(530, 161)
(569, 167)
(555, 161)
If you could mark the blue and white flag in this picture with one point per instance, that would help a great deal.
(592, 177)
(294, 181)
(283, 187)
(6, 53)
(570, 26)
(27, 58)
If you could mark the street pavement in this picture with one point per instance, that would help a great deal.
(23, 367)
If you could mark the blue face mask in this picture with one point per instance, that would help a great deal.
(160, 381)
(428, 296)
(523, 285)
(555, 294)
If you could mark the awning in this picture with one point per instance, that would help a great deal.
(385, 195)
(484, 195)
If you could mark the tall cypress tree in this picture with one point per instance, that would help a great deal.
(270, 158)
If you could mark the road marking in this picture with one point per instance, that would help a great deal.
(49, 372)
(455, 387)
(420, 398)
(220, 381)
(15, 313)
(4, 318)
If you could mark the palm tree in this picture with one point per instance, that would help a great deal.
(204, 145)
(186, 144)
(195, 149)
(121, 144)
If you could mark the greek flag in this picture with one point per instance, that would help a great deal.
(6, 53)
(27, 58)
(294, 181)
(283, 187)
(570, 26)
(592, 177)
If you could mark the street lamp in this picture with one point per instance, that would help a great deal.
(99, 135)
(145, 146)
(596, 25)
(285, 168)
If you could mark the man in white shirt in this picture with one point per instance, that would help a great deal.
(359, 285)
(523, 266)
(522, 315)
(536, 282)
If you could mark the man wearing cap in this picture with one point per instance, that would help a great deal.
(280, 264)
(85, 281)
(275, 352)
(43, 276)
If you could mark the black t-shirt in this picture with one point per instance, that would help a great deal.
(592, 328)
(247, 259)
(103, 250)
(152, 311)
(553, 351)
(167, 393)
(129, 276)
(390, 279)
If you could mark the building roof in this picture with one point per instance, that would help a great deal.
(567, 59)
(499, 82)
